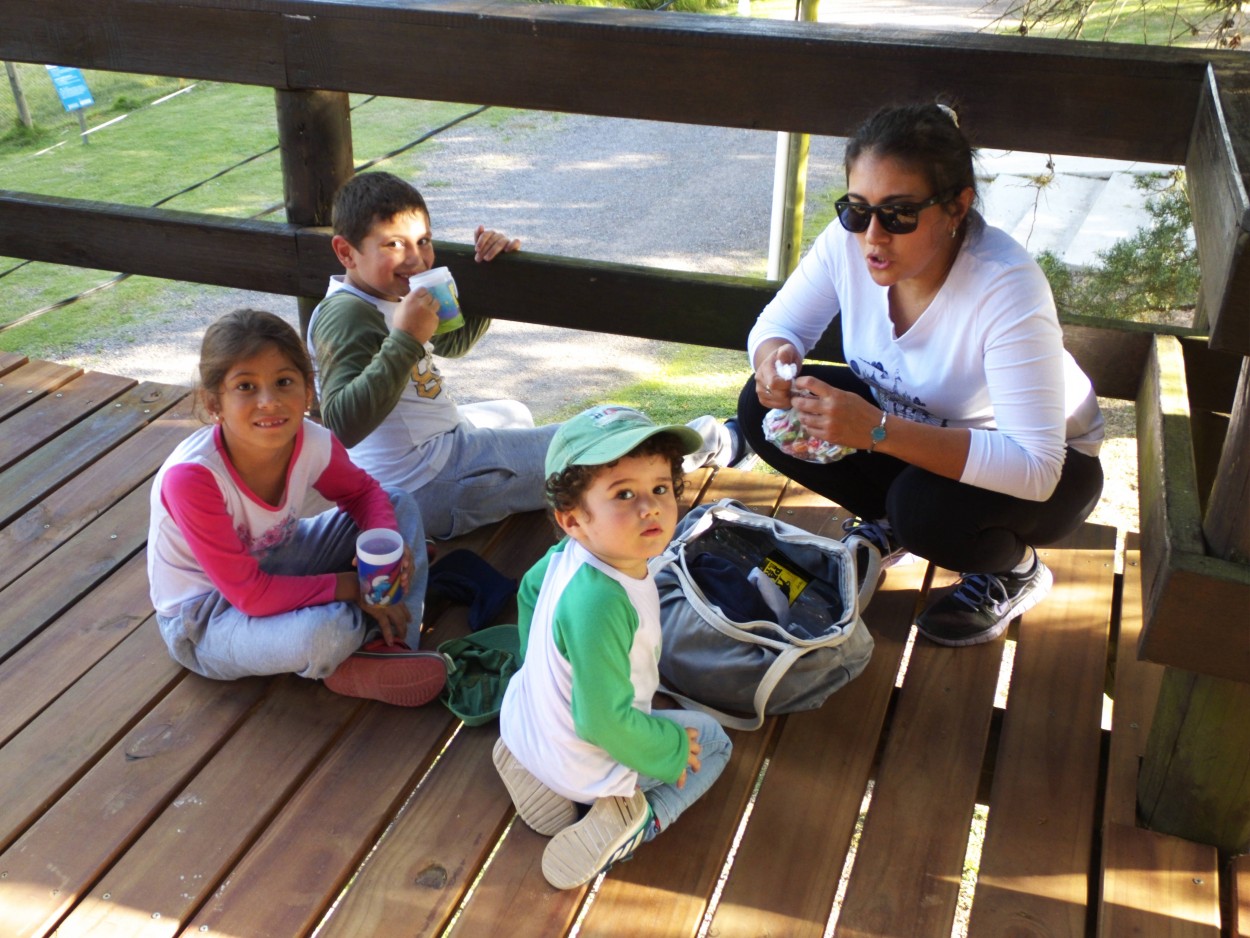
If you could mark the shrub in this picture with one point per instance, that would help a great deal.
(1151, 276)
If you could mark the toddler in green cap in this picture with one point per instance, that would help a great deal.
(583, 756)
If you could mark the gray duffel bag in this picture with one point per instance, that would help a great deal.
(812, 643)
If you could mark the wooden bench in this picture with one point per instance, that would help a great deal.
(144, 800)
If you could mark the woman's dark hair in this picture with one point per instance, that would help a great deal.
(923, 137)
(565, 490)
(368, 198)
(241, 334)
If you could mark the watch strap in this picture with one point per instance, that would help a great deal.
(878, 432)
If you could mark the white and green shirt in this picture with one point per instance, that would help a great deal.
(578, 712)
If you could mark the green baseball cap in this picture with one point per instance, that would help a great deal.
(606, 433)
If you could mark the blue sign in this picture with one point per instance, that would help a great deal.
(70, 86)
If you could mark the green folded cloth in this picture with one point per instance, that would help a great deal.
(479, 666)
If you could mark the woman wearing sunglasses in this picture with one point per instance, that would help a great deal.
(976, 433)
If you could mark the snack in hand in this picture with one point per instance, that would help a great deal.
(783, 429)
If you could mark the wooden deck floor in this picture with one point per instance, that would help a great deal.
(139, 799)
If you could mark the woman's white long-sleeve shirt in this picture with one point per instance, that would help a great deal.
(986, 355)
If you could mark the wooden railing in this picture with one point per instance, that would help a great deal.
(1125, 102)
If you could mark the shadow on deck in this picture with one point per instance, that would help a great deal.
(141, 799)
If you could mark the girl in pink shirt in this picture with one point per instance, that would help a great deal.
(243, 584)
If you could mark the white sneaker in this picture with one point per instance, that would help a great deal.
(545, 811)
(610, 831)
(717, 443)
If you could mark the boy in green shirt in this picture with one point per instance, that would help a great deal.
(577, 732)
(373, 344)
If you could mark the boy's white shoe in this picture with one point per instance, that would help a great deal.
(545, 811)
(610, 831)
(723, 445)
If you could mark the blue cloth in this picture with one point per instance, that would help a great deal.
(727, 586)
(464, 577)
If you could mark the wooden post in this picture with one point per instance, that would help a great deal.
(315, 134)
(1195, 777)
(19, 96)
(790, 188)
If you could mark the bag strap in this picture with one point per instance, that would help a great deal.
(764, 690)
(872, 571)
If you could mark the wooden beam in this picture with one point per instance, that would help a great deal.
(1195, 603)
(1227, 521)
(1079, 97)
(250, 255)
(315, 132)
(676, 306)
(1217, 185)
(1195, 776)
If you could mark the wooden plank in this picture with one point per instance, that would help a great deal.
(1211, 376)
(45, 418)
(31, 536)
(1240, 870)
(1217, 184)
(1136, 690)
(715, 310)
(1139, 866)
(46, 590)
(1226, 525)
(419, 873)
(11, 360)
(41, 473)
(1114, 356)
(1035, 860)
(65, 741)
(811, 795)
(52, 863)
(1195, 602)
(286, 882)
(684, 863)
(916, 832)
(1173, 891)
(38, 672)
(1195, 777)
(1075, 93)
(28, 383)
(179, 860)
(152, 38)
(512, 890)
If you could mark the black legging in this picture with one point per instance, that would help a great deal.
(957, 526)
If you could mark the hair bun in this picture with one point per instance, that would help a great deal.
(949, 112)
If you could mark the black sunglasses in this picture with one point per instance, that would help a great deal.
(898, 218)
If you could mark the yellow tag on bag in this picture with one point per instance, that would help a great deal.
(787, 574)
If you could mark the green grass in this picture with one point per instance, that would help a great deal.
(1170, 22)
(689, 380)
(115, 93)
